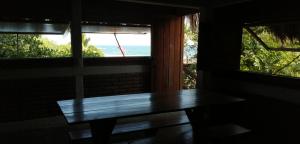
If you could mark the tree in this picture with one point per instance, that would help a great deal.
(256, 58)
(23, 45)
(190, 52)
(35, 46)
(90, 50)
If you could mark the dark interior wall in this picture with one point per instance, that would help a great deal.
(221, 37)
(272, 111)
(266, 11)
(116, 80)
(29, 98)
(272, 108)
(113, 84)
(33, 98)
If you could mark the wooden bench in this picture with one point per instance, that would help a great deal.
(217, 133)
(136, 124)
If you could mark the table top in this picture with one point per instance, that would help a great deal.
(119, 106)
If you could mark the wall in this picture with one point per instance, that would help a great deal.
(28, 94)
(272, 111)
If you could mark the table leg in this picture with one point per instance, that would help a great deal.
(199, 121)
(102, 130)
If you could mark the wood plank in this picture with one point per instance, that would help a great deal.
(171, 54)
(103, 99)
(166, 48)
(153, 103)
(152, 122)
(227, 130)
(158, 51)
(191, 4)
(178, 53)
(181, 20)
(185, 135)
(159, 58)
(169, 48)
(114, 106)
(107, 99)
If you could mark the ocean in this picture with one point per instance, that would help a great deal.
(143, 50)
(113, 50)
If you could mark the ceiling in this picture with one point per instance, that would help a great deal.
(105, 10)
(143, 11)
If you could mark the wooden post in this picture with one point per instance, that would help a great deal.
(199, 122)
(76, 42)
(204, 33)
(167, 44)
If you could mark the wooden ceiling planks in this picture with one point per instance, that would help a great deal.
(111, 11)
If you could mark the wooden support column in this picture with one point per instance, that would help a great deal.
(199, 122)
(167, 52)
(204, 39)
(102, 130)
(219, 49)
(76, 42)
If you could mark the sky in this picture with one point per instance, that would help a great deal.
(107, 39)
(124, 39)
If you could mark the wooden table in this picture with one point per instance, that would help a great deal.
(102, 112)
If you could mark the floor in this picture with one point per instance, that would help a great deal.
(174, 135)
(55, 131)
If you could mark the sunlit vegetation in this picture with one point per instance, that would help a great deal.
(190, 57)
(256, 58)
(13, 46)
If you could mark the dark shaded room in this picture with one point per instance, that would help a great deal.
(149, 72)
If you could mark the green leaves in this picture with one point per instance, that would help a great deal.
(14, 46)
(255, 58)
(90, 50)
(190, 58)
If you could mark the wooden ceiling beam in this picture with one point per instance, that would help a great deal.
(225, 3)
(189, 4)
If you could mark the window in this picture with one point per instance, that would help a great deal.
(116, 41)
(191, 24)
(271, 49)
(34, 40)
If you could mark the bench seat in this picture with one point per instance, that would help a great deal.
(143, 123)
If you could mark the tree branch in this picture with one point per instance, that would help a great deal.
(254, 35)
(286, 65)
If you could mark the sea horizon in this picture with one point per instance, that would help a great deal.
(134, 50)
(130, 50)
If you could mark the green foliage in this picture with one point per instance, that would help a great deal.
(189, 76)
(190, 45)
(62, 50)
(90, 50)
(255, 58)
(34, 46)
(21, 46)
(190, 58)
